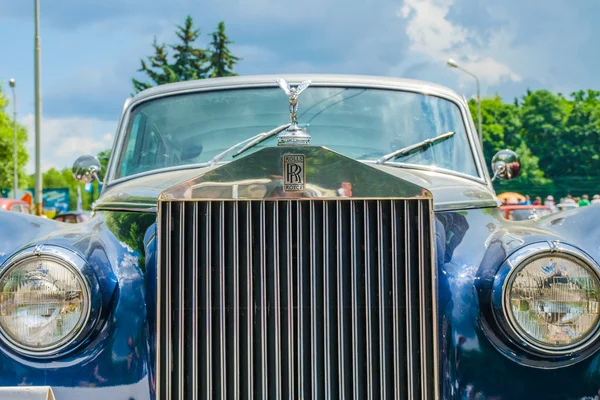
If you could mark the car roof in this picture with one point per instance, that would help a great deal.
(317, 80)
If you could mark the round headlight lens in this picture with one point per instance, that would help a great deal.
(553, 301)
(43, 304)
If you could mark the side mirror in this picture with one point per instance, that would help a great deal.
(506, 165)
(86, 169)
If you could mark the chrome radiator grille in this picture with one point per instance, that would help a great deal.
(296, 299)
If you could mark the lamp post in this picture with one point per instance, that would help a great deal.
(453, 64)
(15, 162)
(38, 111)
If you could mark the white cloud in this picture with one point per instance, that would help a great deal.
(435, 37)
(65, 139)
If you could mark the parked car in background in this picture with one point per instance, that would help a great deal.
(522, 213)
(339, 238)
(15, 205)
(73, 217)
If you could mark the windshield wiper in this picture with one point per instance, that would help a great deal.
(415, 148)
(251, 142)
(261, 137)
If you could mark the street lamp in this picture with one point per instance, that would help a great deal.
(38, 110)
(451, 63)
(15, 162)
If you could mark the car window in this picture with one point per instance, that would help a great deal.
(15, 207)
(25, 209)
(361, 123)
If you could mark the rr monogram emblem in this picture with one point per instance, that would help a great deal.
(294, 172)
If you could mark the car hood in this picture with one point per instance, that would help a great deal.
(449, 191)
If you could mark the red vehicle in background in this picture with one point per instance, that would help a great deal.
(15, 205)
(524, 213)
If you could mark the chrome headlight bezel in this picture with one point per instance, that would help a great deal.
(87, 279)
(501, 301)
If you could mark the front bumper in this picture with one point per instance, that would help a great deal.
(27, 393)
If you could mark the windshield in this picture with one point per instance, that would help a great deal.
(364, 124)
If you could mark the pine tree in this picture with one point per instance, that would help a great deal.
(159, 61)
(189, 60)
(221, 59)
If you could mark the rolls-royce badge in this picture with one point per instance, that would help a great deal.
(294, 172)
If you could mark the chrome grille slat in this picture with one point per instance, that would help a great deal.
(313, 303)
(236, 302)
(296, 299)
(181, 295)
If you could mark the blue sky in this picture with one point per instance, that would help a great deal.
(90, 50)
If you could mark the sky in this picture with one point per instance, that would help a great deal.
(91, 50)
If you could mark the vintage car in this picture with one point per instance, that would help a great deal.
(14, 205)
(305, 237)
(73, 217)
(525, 212)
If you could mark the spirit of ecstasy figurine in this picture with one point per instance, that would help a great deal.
(294, 135)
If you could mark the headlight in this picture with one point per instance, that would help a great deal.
(44, 302)
(552, 300)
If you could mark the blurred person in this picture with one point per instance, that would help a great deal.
(537, 201)
(569, 200)
(527, 201)
(596, 199)
(549, 202)
(585, 201)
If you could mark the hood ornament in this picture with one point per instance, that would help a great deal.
(294, 134)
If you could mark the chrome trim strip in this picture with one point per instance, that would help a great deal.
(159, 314)
(368, 298)
(222, 288)
(249, 300)
(125, 206)
(208, 280)
(181, 323)
(290, 297)
(395, 301)
(299, 247)
(434, 302)
(236, 302)
(355, 305)
(422, 303)
(340, 293)
(382, 294)
(409, 305)
(263, 303)
(277, 300)
(169, 338)
(313, 303)
(326, 304)
(195, 301)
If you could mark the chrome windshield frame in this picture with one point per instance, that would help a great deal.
(476, 151)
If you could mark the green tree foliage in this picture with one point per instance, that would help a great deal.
(221, 59)
(188, 61)
(7, 147)
(501, 129)
(104, 157)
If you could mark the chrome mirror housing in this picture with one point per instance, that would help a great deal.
(506, 165)
(86, 169)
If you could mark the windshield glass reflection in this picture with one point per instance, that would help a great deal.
(364, 124)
